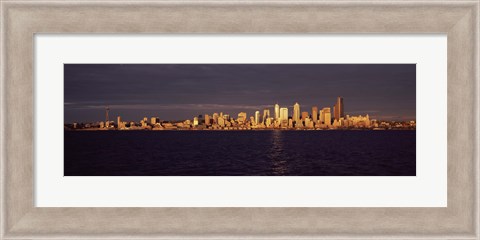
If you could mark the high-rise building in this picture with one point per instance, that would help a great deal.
(268, 122)
(221, 121)
(242, 117)
(315, 114)
(304, 116)
(321, 117)
(153, 120)
(296, 112)
(119, 122)
(335, 111)
(215, 118)
(266, 114)
(207, 119)
(339, 109)
(283, 114)
(252, 121)
(195, 121)
(257, 117)
(277, 111)
(327, 116)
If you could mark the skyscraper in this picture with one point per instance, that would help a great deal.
(283, 114)
(277, 111)
(266, 114)
(257, 117)
(296, 112)
(304, 116)
(242, 117)
(119, 122)
(207, 119)
(327, 116)
(315, 114)
(338, 109)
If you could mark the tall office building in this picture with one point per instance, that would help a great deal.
(327, 115)
(283, 114)
(296, 112)
(119, 122)
(242, 117)
(257, 117)
(277, 111)
(315, 114)
(195, 121)
(221, 121)
(153, 120)
(338, 109)
(266, 114)
(215, 117)
(304, 116)
(207, 119)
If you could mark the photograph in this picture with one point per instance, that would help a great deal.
(239, 119)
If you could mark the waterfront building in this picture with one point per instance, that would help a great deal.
(195, 121)
(327, 116)
(266, 114)
(257, 117)
(268, 122)
(290, 123)
(296, 112)
(308, 123)
(153, 120)
(242, 117)
(304, 116)
(336, 123)
(338, 109)
(215, 118)
(315, 114)
(277, 111)
(207, 120)
(119, 122)
(284, 114)
(359, 121)
(321, 117)
(221, 122)
(252, 121)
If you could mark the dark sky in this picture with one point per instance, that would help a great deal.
(182, 91)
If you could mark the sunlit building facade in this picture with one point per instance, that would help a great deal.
(296, 112)
(277, 111)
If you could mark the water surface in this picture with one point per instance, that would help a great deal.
(240, 153)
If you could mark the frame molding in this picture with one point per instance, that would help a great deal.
(20, 20)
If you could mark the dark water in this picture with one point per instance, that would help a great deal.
(244, 153)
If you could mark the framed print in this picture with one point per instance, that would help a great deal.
(225, 119)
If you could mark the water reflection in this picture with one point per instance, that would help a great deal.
(276, 154)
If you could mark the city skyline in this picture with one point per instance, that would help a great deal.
(178, 91)
(323, 119)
